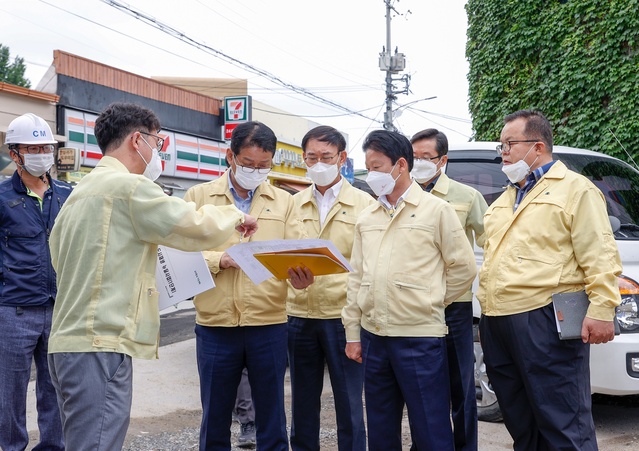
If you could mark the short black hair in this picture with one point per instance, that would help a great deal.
(537, 126)
(118, 120)
(392, 144)
(327, 134)
(253, 133)
(441, 142)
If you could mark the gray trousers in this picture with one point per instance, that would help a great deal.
(244, 402)
(94, 391)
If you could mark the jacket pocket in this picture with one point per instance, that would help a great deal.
(410, 300)
(147, 315)
(528, 270)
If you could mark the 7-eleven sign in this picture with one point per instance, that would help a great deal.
(236, 110)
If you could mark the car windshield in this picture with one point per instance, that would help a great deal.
(617, 180)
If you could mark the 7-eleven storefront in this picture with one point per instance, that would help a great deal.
(186, 160)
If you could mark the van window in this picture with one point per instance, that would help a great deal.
(619, 183)
(617, 180)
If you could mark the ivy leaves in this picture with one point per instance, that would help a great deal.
(577, 62)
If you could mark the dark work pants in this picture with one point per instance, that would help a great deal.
(411, 371)
(222, 354)
(542, 383)
(461, 367)
(312, 343)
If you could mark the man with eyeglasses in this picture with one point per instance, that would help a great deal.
(29, 204)
(547, 233)
(239, 324)
(328, 210)
(430, 153)
(104, 248)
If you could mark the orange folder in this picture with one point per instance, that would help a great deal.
(320, 261)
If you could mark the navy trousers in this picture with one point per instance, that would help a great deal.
(313, 343)
(222, 354)
(411, 371)
(461, 369)
(542, 383)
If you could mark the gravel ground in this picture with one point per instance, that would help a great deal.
(186, 438)
(152, 434)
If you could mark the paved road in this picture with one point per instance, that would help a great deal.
(178, 325)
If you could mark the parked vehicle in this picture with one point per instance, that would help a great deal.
(614, 366)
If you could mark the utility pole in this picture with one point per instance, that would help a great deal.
(391, 64)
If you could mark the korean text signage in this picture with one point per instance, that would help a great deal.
(236, 110)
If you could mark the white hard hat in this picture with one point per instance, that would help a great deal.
(29, 129)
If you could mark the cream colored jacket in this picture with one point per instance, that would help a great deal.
(470, 207)
(558, 240)
(104, 250)
(407, 268)
(235, 300)
(325, 298)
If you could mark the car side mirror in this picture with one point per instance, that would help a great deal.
(615, 223)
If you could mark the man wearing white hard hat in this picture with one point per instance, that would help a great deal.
(29, 203)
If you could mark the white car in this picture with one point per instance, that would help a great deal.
(614, 366)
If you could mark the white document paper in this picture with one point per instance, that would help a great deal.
(243, 254)
(180, 275)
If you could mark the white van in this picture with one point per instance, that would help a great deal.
(614, 366)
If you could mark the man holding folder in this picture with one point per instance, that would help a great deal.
(328, 210)
(239, 324)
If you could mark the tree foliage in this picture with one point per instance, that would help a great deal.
(12, 72)
(577, 61)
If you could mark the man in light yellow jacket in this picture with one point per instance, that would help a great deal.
(410, 259)
(328, 210)
(548, 233)
(239, 324)
(430, 152)
(104, 250)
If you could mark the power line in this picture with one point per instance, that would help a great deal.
(227, 58)
(281, 113)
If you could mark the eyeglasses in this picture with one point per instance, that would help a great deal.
(47, 148)
(159, 138)
(250, 170)
(505, 147)
(427, 158)
(313, 160)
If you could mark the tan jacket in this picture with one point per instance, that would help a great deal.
(470, 207)
(235, 300)
(407, 268)
(104, 250)
(325, 298)
(558, 240)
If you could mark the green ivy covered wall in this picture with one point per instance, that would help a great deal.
(577, 61)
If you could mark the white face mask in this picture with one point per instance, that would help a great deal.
(153, 167)
(381, 183)
(517, 171)
(322, 174)
(37, 164)
(423, 170)
(248, 180)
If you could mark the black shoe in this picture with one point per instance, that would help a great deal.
(247, 435)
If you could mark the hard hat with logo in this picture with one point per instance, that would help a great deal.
(29, 129)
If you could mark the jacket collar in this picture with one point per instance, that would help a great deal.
(442, 185)
(343, 197)
(20, 187)
(221, 187)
